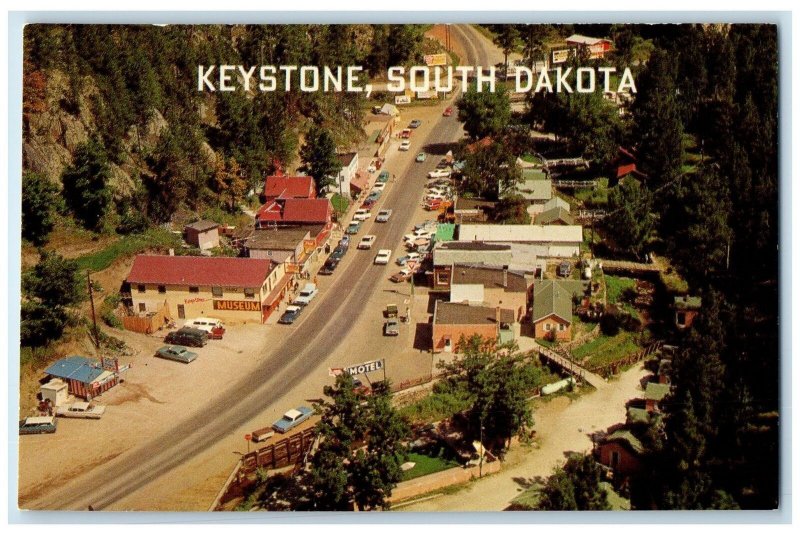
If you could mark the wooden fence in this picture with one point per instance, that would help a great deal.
(147, 323)
(288, 451)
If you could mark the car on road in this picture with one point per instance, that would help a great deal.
(307, 294)
(434, 196)
(406, 133)
(353, 227)
(402, 275)
(367, 241)
(383, 257)
(362, 214)
(439, 173)
(380, 186)
(212, 326)
(391, 328)
(292, 418)
(383, 178)
(368, 203)
(421, 157)
(405, 145)
(448, 111)
(344, 242)
(338, 253)
(384, 215)
(176, 353)
(291, 314)
(187, 336)
(81, 409)
(329, 266)
(37, 425)
(403, 260)
(416, 123)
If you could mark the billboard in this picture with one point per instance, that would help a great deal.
(432, 60)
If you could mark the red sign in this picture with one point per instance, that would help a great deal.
(238, 306)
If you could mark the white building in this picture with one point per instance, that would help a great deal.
(553, 241)
(347, 173)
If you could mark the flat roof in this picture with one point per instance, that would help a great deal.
(463, 314)
(281, 239)
(522, 233)
(489, 277)
(203, 225)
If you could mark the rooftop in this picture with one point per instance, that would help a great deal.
(203, 225)
(584, 40)
(445, 232)
(472, 204)
(78, 368)
(688, 302)
(282, 239)
(555, 297)
(624, 435)
(489, 277)
(347, 158)
(289, 187)
(552, 215)
(199, 271)
(297, 211)
(463, 314)
(534, 189)
(522, 233)
(656, 391)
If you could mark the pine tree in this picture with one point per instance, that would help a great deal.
(319, 158)
(38, 205)
(86, 185)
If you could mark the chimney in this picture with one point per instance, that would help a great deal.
(505, 276)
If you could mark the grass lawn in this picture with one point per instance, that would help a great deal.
(340, 203)
(596, 197)
(426, 465)
(616, 286)
(606, 349)
(126, 246)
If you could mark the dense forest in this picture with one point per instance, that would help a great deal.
(118, 105)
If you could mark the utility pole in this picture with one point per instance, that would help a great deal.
(94, 317)
(480, 469)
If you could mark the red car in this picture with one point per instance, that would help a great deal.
(448, 111)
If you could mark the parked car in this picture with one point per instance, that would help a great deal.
(307, 294)
(383, 257)
(379, 187)
(403, 260)
(406, 133)
(384, 215)
(391, 328)
(368, 203)
(291, 314)
(433, 204)
(344, 242)
(329, 266)
(421, 157)
(292, 419)
(81, 409)
(373, 196)
(564, 269)
(353, 227)
(383, 178)
(367, 241)
(428, 223)
(176, 353)
(362, 215)
(448, 111)
(439, 173)
(405, 145)
(187, 336)
(260, 435)
(37, 425)
(402, 275)
(416, 123)
(338, 253)
(212, 326)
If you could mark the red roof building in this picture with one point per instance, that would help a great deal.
(289, 187)
(199, 271)
(287, 212)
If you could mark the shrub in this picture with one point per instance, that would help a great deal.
(610, 323)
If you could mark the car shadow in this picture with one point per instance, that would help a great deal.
(423, 336)
(439, 149)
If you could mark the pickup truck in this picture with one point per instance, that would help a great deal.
(292, 419)
(307, 293)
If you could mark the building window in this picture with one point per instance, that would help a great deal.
(249, 293)
(141, 288)
(216, 291)
(443, 278)
(162, 289)
(681, 318)
(547, 327)
(561, 326)
(194, 289)
(142, 307)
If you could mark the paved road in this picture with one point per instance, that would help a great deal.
(312, 340)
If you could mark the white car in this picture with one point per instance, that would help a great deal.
(366, 242)
(383, 257)
(434, 197)
(362, 215)
(384, 215)
(380, 186)
(439, 173)
(81, 409)
(405, 145)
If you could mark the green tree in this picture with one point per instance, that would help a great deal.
(512, 210)
(360, 451)
(575, 487)
(38, 202)
(489, 171)
(507, 39)
(86, 190)
(630, 220)
(319, 157)
(484, 113)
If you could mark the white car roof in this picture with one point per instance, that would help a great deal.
(368, 237)
(292, 308)
(292, 414)
(81, 405)
(38, 420)
(386, 252)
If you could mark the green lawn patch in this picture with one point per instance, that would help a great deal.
(616, 286)
(605, 350)
(426, 464)
(127, 246)
(530, 158)
(340, 203)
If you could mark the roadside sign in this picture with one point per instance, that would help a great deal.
(411, 264)
(402, 99)
(371, 366)
(432, 60)
(335, 372)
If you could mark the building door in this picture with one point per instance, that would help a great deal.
(181, 312)
(614, 459)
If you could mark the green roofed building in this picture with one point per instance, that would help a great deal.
(552, 308)
(654, 393)
(554, 216)
(445, 232)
